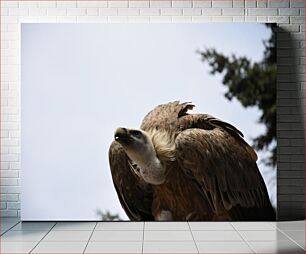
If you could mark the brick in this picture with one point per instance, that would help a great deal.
(171, 11)
(10, 157)
(118, 4)
(297, 3)
(92, 11)
(262, 19)
(28, 4)
(9, 4)
(290, 28)
(262, 4)
(222, 19)
(290, 182)
(76, 12)
(57, 12)
(9, 173)
(139, 4)
(13, 205)
(128, 12)
(108, 12)
(15, 165)
(160, 4)
(66, 4)
(3, 205)
(92, 4)
(201, 19)
(4, 165)
(211, 11)
(192, 11)
(222, 3)
(289, 11)
(149, 12)
(10, 189)
(202, 3)
(160, 19)
(233, 11)
(262, 12)
(18, 12)
(291, 198)
(291, 189)
(138, 19)
(9, 213)
(238, 3)
(291, 150)
(279, 20)
(181, 4)
(297, 20)
(252, 19)
(302, 11)
(9, 197)
(179, 19)
(8, 181)
(238, 19)
(291, 173)
(250, 3)
(117, 19)
(37, 11)
(47, 4)
(278, 3)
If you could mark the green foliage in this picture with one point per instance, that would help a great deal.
(252, 84)
(107, 216)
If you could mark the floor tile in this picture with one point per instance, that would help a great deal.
(167, 236)
(211, 226)
(169, 247)
(69, 236)
(120, 225)
(223, 247)
(17, 247)
(276, 247)
(33, 226)
(98, 236)
(216, 236)
(253, 225)
(63, 226)
(295, 234)
(114, 247)
(291, 225)
(60, 247)
(9, 220)
(155, 225)
(274, 235)
(23, 236)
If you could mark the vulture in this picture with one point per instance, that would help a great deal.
(179, 166)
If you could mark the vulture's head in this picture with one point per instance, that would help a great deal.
(139, 147)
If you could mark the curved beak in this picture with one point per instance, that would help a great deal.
(121, 134)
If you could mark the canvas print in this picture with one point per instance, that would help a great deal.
(149, 122)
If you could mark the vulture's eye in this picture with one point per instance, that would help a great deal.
(136, 133)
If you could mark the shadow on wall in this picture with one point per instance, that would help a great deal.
(290, 127)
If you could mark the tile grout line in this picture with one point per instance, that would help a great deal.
(10, 228)
(42, 238)
(143, 232)
(243, 238)
(193, 237)
(90, 237)
(290, 238)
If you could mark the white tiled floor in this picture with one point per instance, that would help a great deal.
(152, 237)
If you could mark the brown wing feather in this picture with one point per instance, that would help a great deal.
(224, 168)
(165, 116)
(134, 194)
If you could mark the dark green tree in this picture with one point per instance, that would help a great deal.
(252, 84)
(107, 216)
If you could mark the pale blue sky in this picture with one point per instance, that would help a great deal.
(81, 81)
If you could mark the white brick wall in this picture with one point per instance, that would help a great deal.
(288, 13)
